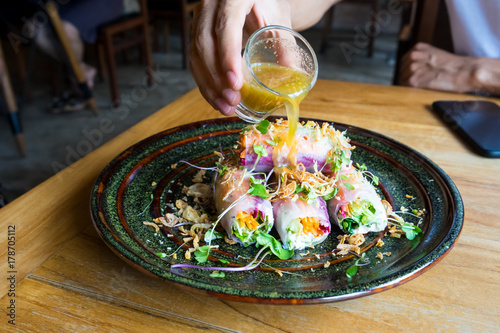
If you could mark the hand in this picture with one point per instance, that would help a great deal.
(220, 29)
(425, 66)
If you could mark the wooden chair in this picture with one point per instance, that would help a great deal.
(329, 19)
(113, 38)
(178, 10)
(10, 102)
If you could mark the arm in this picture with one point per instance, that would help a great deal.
(305, 14)
(221, 27)
(428, 67)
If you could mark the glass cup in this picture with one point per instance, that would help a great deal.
(279, 67)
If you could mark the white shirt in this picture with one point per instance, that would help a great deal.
(475, 27)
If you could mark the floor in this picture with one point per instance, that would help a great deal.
(55, 141)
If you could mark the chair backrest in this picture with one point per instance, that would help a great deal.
(432, 25)
(428, 23)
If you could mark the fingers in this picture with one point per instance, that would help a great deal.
(203, 57)
(229, 27)
(211, 47)
(418, 57)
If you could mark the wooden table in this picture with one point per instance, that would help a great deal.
(66, 279)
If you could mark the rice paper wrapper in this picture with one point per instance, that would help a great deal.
(348, 202)
(287, 215)
(231, 198)
(313, 146)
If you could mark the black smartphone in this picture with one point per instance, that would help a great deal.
(477, 122)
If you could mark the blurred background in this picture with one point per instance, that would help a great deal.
(357, 40)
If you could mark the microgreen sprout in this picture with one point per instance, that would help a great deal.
(271, 142)
(411, 230)
(263, 126)
(349, 186)
(217, 274)
(364, 170)
(260, 150)
(330, 195)
(352, 270)
(145, 208)
(164, 255)
(221, 168)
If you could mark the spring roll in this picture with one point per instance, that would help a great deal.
(317, 148)
(244, 214)
(300, 224)
(357, 208)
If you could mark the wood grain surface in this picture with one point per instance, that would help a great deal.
(68, 280)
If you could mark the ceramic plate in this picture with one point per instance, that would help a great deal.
(121, 201)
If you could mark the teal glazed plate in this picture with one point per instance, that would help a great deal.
(143, 182)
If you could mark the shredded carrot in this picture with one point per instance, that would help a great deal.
(248, 220)
(310, 225)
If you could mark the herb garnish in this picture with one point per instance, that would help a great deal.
(263, 126)
(351, 271)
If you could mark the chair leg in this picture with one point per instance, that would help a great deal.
(100, 62)
(185, 40)
(11, 104)
(166, 32)
(56, 23)
(156, 35)
(125, 52)
(326, 29)
(373, 21)
(146, 50)
(111, 64)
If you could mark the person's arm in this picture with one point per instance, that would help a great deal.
(221, 27)
(305, 14)
(428, 67)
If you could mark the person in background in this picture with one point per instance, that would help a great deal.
(475, 64)
(81, 20)
(220, 29)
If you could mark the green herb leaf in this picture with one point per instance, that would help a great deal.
(224, 261)
(345, 159)
(311, 197)
(271, 142)
(344, 177)
(260, 150)
(217, 274)
(267, 240)
(349, 186)
(201, 255)
(161, 254)
(258, 190)
(222, 168)
(263, 126)
(330, 195)
(212, 234)
(299, 189)
(411, 230)
(351, 271)
(414, 211)
(254, 180)
(361, 167)
(375, 180)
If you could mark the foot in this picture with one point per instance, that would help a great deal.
(89, 72)
(66, 103)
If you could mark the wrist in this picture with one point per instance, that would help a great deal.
(486, 75)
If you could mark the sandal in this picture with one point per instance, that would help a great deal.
(66, 103)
